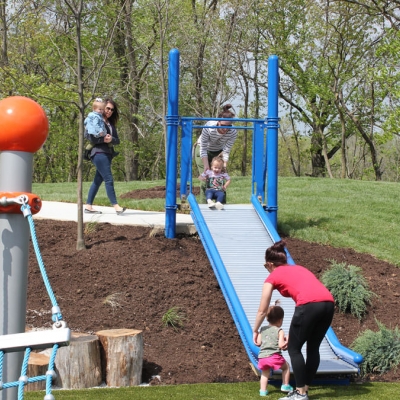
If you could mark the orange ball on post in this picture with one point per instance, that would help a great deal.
(23, 125)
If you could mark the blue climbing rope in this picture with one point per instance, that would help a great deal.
(26, 210)
(58, 323)
(23, 379)
(1, 368)
(50, 374)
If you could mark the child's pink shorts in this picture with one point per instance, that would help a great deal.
(275, 362)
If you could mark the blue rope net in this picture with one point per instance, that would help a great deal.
(59, 335)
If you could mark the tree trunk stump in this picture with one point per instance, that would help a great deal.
(38, 365)
(122, 356)
(78, 365)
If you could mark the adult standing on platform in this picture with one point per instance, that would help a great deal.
(101, 156)
(214, 141)
(311, 319)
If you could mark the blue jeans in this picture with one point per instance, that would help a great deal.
(218, 195)
(102, 162)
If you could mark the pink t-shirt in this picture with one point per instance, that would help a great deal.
(298, 283)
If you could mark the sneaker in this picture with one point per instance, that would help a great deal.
(219, 206)
(210, 203)
(263, 393)
(295, 395)
(286, 388)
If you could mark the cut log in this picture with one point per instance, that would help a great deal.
(78, 365)
(38, 365)
(122, 356)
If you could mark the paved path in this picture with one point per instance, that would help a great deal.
(69, 212)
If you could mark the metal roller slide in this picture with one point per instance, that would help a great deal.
(235, 240)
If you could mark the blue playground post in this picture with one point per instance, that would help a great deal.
(186, 160)
(172, 120)
(265, 150)
(259, 167)
(272, 140)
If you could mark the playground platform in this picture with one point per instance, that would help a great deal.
(69, 212)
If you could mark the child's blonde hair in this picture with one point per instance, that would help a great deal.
(97, 102)
(275, 313)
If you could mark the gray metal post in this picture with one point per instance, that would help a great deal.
(15, 176)
(24, 130)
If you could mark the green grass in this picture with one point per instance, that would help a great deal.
(67, 192)
(341, 213)
(225, 391)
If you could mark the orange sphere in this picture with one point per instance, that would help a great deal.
(23, 125)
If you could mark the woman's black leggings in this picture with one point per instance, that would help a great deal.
(309, 325)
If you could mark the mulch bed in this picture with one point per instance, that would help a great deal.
(148, 274)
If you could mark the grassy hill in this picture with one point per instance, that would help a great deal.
(362, 215)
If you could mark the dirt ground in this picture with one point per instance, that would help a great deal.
(129, 278)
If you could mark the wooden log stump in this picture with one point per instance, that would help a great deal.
(38, 364)
(78, 365)
(122, 356)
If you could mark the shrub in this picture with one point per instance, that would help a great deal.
(173, 317)
(381, 350)
(114, 300)
(91, 227)
(348, 287)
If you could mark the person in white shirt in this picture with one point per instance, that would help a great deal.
(214, 141)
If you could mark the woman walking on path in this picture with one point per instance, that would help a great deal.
(101, 156)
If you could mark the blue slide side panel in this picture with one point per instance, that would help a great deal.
(343, 352)
(224, 281)
(268, 224)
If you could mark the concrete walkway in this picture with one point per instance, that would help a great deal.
(69, 212)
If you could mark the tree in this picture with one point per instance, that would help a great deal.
(249, 69)
(76, 63)
(133, 45)
(389, 9)
(4, 27)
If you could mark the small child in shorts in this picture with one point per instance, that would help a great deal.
(94, 122)
(216, 183)
(272, 340)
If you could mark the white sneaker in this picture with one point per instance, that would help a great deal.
(295, 395)
(210, 203)
(219, 206)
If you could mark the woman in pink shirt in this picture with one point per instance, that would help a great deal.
(311, 319)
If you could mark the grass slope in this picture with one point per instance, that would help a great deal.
(342, 213)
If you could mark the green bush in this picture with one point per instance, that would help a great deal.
(348, 287)
(381, 350)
